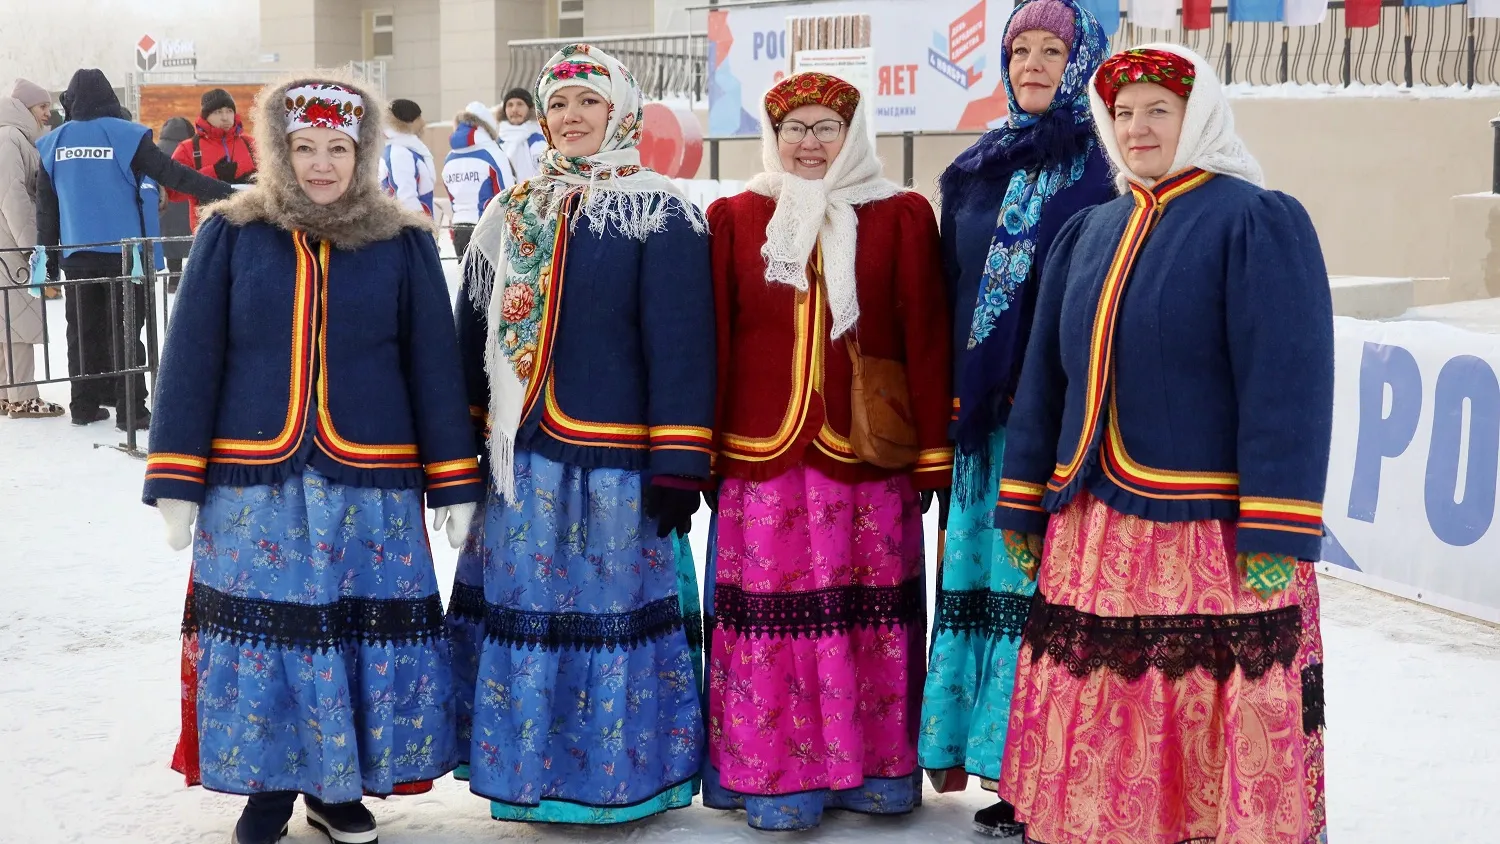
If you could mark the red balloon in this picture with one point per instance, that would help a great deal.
(671, 141)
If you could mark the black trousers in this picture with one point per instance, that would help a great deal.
(100, 337)
(462, 232)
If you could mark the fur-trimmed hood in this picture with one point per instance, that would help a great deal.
(365, 214)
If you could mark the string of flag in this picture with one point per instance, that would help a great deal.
(1197, 14)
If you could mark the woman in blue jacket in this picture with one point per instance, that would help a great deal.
(588, 341)
(1004, 201)
(1163, 484)
(310, 399)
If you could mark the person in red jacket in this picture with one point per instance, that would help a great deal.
(220, 149)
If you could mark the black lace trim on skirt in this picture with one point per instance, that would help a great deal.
(820, 612)
(258, 622)
(568, 630)
(1312, 698)
(1000, 614)
(693, 622)
(1171, 644)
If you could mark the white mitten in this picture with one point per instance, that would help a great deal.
(454, 520)
(179, 516)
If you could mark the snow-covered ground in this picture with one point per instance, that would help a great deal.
(91, 598)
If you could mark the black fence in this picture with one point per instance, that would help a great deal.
(139, 306)
(1410, 46)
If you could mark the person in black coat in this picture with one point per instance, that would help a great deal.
(174, 215)
(86, 200)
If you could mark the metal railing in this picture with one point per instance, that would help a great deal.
(674, 65)
(1410, 46)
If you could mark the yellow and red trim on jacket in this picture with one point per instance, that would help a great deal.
(1160, 484)
(1019, 495)
(808, 330)
(1149, 205)
(450, 473)
(285, 443)
(1281, 514)
(177, 467)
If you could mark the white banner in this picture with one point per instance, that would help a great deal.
(1415, 465)
(937, 63)
(1157, 14)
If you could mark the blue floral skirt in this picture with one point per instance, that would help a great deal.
(577, 642)
(315, 639)
(982, 604)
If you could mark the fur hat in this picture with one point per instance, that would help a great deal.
(213, 101)
(477, 114)
(365, 214)
(1047, 15)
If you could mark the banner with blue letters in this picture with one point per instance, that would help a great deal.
(1414, 472)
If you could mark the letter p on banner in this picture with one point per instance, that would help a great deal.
(1382, 434)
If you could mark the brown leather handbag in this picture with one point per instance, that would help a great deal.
(882, 429)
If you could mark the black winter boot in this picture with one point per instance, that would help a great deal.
(264, 819)
(998, 821)
(343, 823)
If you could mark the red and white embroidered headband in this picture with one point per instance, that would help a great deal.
(325, 106)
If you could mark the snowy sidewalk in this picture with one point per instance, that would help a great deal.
(91, 599)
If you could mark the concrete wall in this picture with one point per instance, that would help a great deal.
(617, 17)
(415, 72)
(1376, 174)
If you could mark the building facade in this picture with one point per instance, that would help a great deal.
(446, 53)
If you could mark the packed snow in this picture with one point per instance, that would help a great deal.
(91, 599)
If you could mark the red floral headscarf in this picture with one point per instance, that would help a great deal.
(1169, 70)
(811, 88)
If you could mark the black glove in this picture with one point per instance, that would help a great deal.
(711, 498)
(226, 170)
(672, 508)
(943, 497)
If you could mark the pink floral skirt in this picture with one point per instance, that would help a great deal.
(816, 656)
(1158, 699)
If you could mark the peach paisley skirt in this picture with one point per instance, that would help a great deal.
(1158, 699)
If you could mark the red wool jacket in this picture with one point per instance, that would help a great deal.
(784, 385)
(214, 144)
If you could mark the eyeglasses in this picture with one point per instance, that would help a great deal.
(827, 131)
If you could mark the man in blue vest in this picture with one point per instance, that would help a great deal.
(89, 199)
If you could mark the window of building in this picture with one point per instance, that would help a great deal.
(569, 18)
(382, 35)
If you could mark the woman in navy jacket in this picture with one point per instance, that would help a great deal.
(310, 398)
(588, 341)
(1170, 439)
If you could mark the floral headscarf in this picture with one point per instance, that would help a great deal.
(1043, 153)
(507, 270)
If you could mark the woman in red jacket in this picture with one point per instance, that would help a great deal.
(219, 150)
(816, 565)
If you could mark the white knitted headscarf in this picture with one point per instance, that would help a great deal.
(1207, 141)
(808, 211)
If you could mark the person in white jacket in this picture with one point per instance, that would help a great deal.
(21, 313)
(475, 170)
(407, 171)
(520, 134)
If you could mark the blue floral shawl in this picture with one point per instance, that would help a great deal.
(1042, 155)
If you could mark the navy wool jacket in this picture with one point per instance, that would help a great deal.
(1197, 386)
(285, 353)
(630, 377)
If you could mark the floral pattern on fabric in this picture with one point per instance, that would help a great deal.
(357, 708)
(829, 711)
(1101, 757)
(983, 599)
(1169, 70)
(811, 88)
(552, 728)
(325, 106)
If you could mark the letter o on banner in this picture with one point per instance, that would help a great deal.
(671, 141)
(1462, 517)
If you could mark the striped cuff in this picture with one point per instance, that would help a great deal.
(180, 476)
(1020, 507)
(683, 450)
(453, 482)
(1280, 526)
(933, 469)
